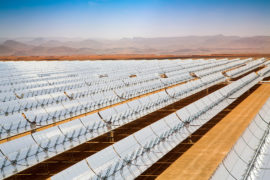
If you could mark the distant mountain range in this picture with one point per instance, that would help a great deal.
(217, 44)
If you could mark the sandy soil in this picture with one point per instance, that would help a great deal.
(125, 56)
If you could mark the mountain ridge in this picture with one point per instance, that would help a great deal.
(137, 45)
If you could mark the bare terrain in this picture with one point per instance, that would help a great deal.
(125, 57)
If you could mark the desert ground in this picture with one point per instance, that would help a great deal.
(126, 56)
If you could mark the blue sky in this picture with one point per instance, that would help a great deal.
(133, 18)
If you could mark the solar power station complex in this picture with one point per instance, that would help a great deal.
(135, 119)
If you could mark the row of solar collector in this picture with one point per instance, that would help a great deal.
(81, 96)
(20, 97)
(221, 68)
(261, 166)
(17, 123)
(143, 69)
(248, 67)
(82, 78)
(73, 85)
(44, 115)
(156, 66)
(110, 67)
(249, 157)
(32, 68)
(64, 77)
(265, 71)
(85, 75)
(54, 67)
(68, 79)
(88, 91)
(98, 96)
(43, 96)
(40, 112)
(29, 150)
(130, 157)
(89, 80)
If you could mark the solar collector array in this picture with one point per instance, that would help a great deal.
(77, 96)
(77, 93)
(131, 156)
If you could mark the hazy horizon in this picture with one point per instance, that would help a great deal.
(119, 38)
(116, 19)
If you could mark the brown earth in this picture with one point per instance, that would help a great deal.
(126, 56)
